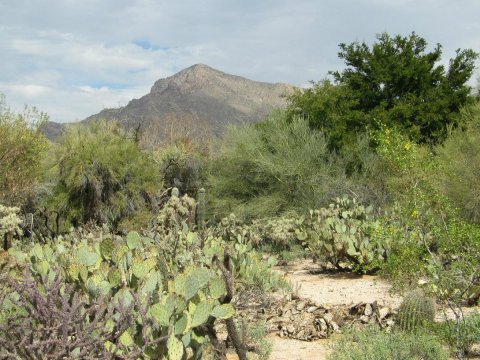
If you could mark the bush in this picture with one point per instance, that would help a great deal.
(22, 148)
(99, 174)
(274, 168)
(469, 333)
(459, 165)
(375, 344)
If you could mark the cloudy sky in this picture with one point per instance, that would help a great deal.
(72, 58)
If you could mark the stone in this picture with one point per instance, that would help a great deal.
(364, 319)
(328, 317)
(384, 312)
(300, 306)
(368, 310)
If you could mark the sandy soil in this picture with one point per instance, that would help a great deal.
(330, 289)
(327, 289)
(337, 288)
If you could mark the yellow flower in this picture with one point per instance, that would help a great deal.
(414, 214)
(407, 146)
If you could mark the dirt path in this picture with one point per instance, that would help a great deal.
(326, 289)
(337, 288)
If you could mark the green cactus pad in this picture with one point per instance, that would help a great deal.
(175, 348)
(201, 314)
(217, 287)
(106, 248)
(181, 324)
(114, 277)
(87, 257)
(126, 339)
(223, 311)
(140, 269)
(163, 311)
(133, 240)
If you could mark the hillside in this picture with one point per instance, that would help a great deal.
(196, 102)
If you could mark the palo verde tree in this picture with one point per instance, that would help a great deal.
(101, 175)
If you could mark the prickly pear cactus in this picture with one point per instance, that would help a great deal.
(342, 234)
(416, 311)
(166, 297)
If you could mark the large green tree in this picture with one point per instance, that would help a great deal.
(396, 81)
(397, 76)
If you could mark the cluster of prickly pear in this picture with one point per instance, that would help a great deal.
(177, 301)
(416, 311)
(342, 233)
(282, 231)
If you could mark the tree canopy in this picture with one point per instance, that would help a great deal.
(396, 81)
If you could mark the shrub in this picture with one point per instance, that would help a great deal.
(374, 344)
(23, 147)
(459, 165)
(274, 168)
(99, 174)
(469, 333)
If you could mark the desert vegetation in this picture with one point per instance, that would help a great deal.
(117, 246)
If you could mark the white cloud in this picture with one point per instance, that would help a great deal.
(72, 58)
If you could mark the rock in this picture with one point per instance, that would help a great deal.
(334, 326)
(290, 329)
(383, 313)
(300, 306)
(364, 319)
(323, 325)
(328, 317)
(368, 310)
(312, 309)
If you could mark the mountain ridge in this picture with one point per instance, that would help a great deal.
(197, 99)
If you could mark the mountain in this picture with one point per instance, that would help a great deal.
(196, 102)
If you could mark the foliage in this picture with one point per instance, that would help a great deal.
(328, 108)
(431, 243)
(174, 283)
(375, 344)
(168, 309)
(398, 80)
(459, 165)
(22, 147)
(273, 168)
(100, 174)
(183, 165)
(470, 332)
(46, 318)
(416, 312)
(344, 234)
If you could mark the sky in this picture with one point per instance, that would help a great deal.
(73, 58)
